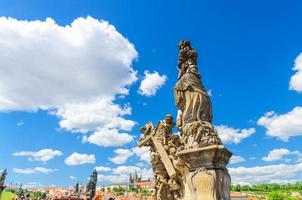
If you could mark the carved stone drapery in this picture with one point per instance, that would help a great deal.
(195, 108)
(190, 95)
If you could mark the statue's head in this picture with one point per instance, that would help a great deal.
(169, 119)
(147, 128)
(183, 44)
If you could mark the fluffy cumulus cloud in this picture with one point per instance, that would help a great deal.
(279, 154)
(35, 170)
(42, 155)
(121, 156)
(89, 116)
(230, 135)
(151, 83)
(108, 137)
(120, 174)
(80, 159)
(282, 173)
(236, 159)
(296, 80)
(282, 126)
(75, 71)
(142, 152)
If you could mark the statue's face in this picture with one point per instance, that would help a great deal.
(186, 47)
(169, 119)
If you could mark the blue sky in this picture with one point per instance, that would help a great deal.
(88, 87)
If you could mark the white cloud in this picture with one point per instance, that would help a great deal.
(56, 65)
(80, 159)
(151, 83)
(121, 156)
(230, 135)
(42, 155)
(283, 126)
(108, 137)
(278, 154)
(91, 115)
(142, 152)
(72, 177)
(282, 173)
(102, 169)
(113, 178)
(236, 159)
(75, 71)
(35, 170)
(103, 117)
(296, 79)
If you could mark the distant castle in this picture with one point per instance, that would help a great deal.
(136, 180)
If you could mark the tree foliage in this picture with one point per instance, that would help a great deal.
(269, 187)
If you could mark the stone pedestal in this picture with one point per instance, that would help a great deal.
(207, 177)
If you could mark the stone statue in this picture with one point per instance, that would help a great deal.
(77, 187)
(163, 146)
(190, 95)
(195, 109)
(91, 186)
(2, 178)
(190, 165)
(2, 181)
(164, 129)
(20, 192)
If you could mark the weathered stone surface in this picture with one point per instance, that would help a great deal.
(203, 185)
(210, 157)
(207, 170)
(162, 145)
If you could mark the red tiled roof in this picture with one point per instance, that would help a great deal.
(144, 183)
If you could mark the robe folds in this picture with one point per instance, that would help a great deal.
(191, 98)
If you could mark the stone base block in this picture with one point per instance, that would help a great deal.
(207, 177)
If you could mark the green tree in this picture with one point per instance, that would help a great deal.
(238, 188)
(245, 188)
(37, 194)
(276, 195)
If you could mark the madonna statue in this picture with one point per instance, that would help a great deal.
(189, 93)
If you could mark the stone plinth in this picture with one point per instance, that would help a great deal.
(207, 177)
